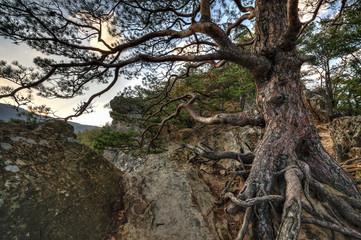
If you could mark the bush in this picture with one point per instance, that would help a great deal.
(100, 138)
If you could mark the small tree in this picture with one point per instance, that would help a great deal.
(336, 46)
(149, 35)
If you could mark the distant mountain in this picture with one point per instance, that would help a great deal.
(7, 112)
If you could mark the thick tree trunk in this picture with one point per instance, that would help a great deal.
(290, 140)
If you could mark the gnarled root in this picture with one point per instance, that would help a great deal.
(344, 217)
(295, 190)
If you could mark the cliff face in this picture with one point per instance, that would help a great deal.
(53, 187)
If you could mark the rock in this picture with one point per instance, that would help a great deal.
(319, 105)
(125, 124)
(54, 187)
(168, 200)
(123, 105)
(249, 137)
(346, 135)
(122, 161)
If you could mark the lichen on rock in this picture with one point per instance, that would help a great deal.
(53, 188)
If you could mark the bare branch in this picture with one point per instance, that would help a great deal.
(315, 12)
(212, 155)
(205, 10)
(253, 118)
(86, 104)
(239, 21)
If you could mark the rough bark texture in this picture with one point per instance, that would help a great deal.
(290, 137)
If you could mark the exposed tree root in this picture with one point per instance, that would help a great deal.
(303, 199)
(246, 220)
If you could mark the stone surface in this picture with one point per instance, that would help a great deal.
(125, 105)
(52, 186)
(122, 161)
(168, 200)
(319, 105)
(346, 135)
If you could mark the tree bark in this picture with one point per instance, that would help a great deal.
(290, 138)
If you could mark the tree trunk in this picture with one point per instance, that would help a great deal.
(290, 140)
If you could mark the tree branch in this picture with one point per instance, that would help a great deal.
(33, 84)
(239, 21)
(315, 12)
(212, 155)
(84, 107)
(253, 118)
(205, 10)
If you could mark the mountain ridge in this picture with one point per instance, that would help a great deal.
(8, 112)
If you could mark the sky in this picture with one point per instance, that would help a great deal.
(63, 107)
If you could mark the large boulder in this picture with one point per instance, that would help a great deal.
(346, 135)
(168, 200)
(53, 187)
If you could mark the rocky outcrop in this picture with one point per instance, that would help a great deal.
(168, 200)
(172, 198)
(124, 162)
(53, 187)
(126, 114)
(346, 135)
(319, 105)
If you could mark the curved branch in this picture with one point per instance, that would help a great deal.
(239, 21)
(253, 118)
(41, 80)
(212, 155)
(86, 104)
(315, 12)
(242, 8)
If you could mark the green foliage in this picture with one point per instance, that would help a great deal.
(106, 138)
(88, 136)
(336, 43)
(100, 138)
